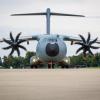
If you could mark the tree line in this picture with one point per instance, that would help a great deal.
(75, 61)
(17, 62)
(88, 61)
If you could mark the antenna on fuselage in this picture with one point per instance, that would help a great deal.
(48, 13)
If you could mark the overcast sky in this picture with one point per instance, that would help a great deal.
(30, 25)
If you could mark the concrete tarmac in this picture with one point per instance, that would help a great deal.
(50, 84)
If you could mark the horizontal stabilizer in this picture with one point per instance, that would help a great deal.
(52, 13)
(26, 14)
(62, 14)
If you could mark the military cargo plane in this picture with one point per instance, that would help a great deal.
(51, 48)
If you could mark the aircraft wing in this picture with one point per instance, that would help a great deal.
(98, 42)
(79, 39)
(70, 38)
(24, 38)
(30, 38)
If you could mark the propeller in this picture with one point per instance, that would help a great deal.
(14, 44)
(86, 44)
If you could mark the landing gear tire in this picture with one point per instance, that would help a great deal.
(34, 67)
(51, 66)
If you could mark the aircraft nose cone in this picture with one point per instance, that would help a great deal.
(52, 49)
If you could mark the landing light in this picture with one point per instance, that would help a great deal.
(66, 60)
(34, 60)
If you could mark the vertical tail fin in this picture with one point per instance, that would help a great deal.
(48, 13)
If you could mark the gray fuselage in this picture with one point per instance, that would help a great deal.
(51, 48)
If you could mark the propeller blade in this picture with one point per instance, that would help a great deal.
(88, 39)
(12, 51)
(94, 41)
(11, 37)
(90, 52)
(18, 52)
(22, 47)
(94, 47)
(20, 41)
(7, 47)
(83, 39)
(7, 41)
(79, 49)
(17, 37)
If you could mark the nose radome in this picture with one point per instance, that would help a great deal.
(52, 49)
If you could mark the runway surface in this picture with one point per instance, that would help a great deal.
(50, 84)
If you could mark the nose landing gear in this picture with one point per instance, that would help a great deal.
(51, 65)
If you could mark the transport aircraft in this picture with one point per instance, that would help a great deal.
(51, 48)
